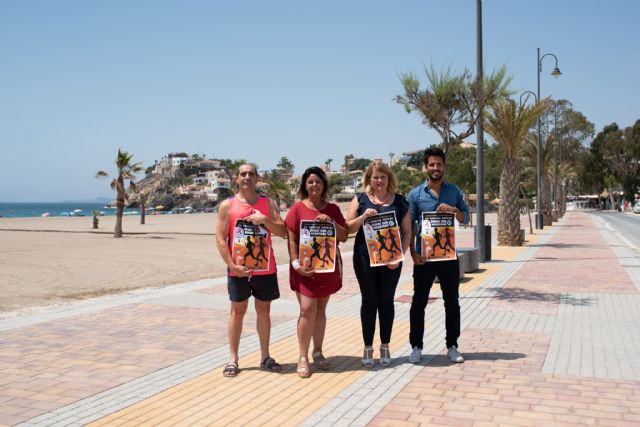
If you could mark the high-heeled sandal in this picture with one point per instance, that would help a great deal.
(320, 361)
(303, 370)
(367, 357)
(385, 355)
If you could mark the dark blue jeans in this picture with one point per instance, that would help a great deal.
(423, 276)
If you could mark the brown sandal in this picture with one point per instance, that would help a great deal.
(231, 370)
(303, 370)
(320, 361)
(270, 364)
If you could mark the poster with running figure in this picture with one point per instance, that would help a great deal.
(317, 246)
(251, 246)
(382, 234)
(438, 237)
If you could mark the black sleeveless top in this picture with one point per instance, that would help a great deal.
(399, 206)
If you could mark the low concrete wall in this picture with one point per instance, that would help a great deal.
(469, 259)
(461, 258)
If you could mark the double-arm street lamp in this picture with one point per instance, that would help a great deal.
(555, 73)
(528, 92)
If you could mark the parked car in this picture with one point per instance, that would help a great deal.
(636, 208)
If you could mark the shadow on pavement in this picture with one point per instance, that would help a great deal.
(547, 259)
(442, 360)
(522, 294)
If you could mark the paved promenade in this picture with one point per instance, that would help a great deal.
(549, 331)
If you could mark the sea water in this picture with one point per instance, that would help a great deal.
(21, 210)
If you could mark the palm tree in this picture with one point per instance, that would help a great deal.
(546, 172)
(566, 173)
(278, 190)
(143, 205)
(328, 163)
(508, 123)
(125, 170)
(451, 101)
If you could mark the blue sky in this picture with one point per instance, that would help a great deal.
(265, 79)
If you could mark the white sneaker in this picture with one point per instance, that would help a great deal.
(416, 355)
(454, 355)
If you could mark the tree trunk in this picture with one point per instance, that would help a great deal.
(526, 204)
(142, 211)
(545, 197)
(559, 200)
(509, 210)
(119, 209)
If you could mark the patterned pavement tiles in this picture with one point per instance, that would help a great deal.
(578, 350)
(255, 396)
(349, 408)
(351, 301)
(75, 411)
(500, 383)
(52, 364)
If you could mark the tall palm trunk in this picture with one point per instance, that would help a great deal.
(119, 208)
(546, 199)
(509, 211)
(143, 208)
(563, 201)
(558, 207)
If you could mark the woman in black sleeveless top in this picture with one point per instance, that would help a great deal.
(377, 284)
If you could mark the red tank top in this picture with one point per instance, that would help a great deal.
(239, 210)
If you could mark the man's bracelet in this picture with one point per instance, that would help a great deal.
(295, 264)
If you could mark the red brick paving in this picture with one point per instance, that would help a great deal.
(43, 369)
(501, 381)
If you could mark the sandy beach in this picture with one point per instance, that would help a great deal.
(50, 260)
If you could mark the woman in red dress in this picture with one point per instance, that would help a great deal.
(313, 289)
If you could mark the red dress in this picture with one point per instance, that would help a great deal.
(319, 285)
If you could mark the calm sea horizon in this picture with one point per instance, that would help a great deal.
(37, 209)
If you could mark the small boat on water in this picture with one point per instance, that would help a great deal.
(45, 215)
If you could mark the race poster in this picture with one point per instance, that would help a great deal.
(251, 246)
(438, 236)
(317, 246)
(382, 234)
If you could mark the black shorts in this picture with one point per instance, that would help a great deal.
(263, 288)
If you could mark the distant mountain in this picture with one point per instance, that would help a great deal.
(96, 200)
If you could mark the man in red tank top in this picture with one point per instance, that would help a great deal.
(243, 282)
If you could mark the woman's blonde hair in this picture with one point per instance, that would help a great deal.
(380, 166)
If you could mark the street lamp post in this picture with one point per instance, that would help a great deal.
(555, 73)
(480, 238)
(555, 157)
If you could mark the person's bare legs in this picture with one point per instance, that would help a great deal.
(306, 325)
(263, 325)
(234, 328)
(320, 324)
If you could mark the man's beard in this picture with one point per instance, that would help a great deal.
(434, 179)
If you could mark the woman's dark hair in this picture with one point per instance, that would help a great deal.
(313, 170)
(436, 152)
